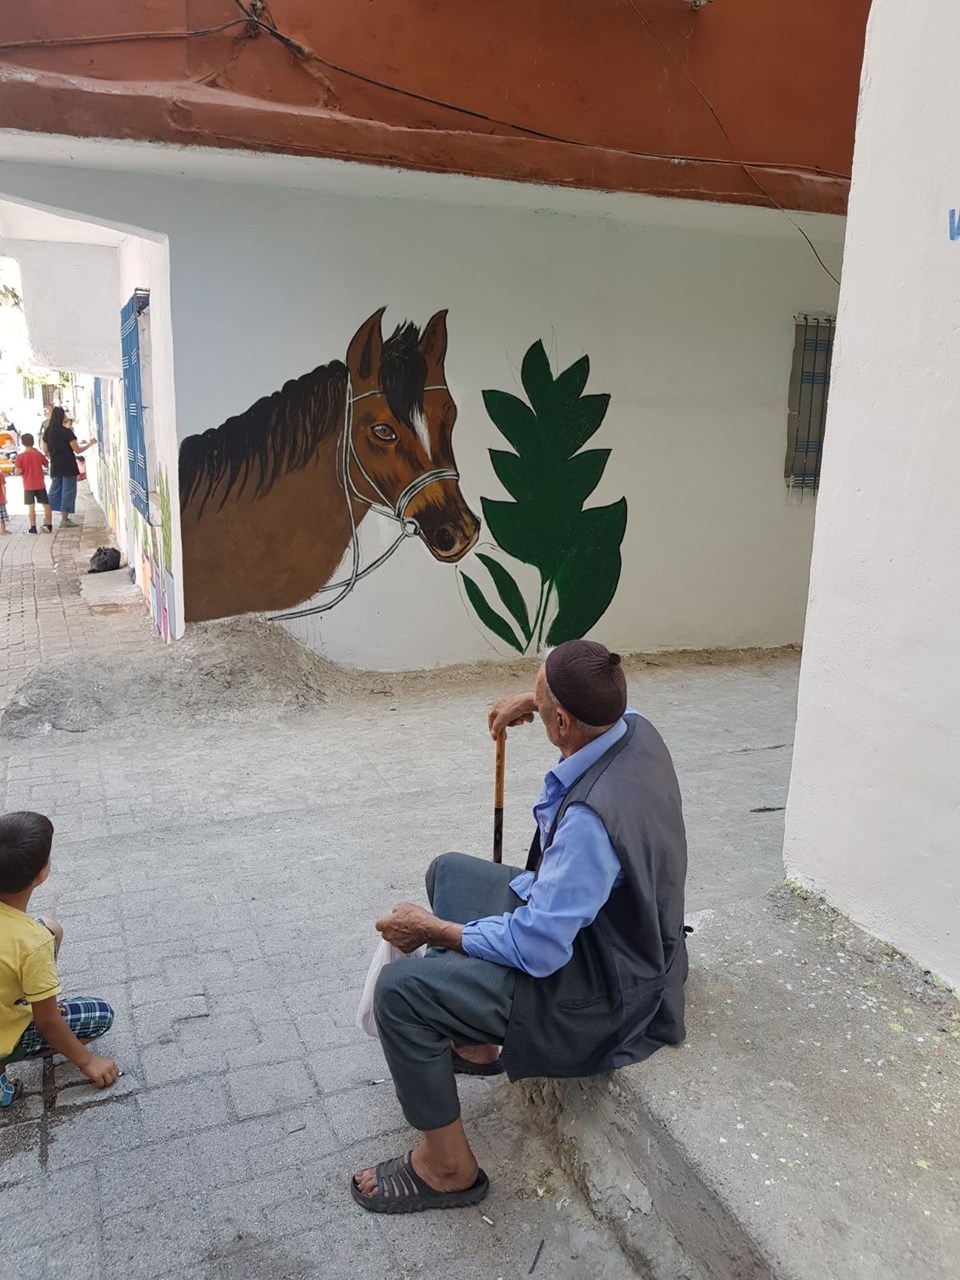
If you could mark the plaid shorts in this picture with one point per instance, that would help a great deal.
(4, 518)
(87, 1017)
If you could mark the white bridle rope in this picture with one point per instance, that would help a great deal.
(409, 528)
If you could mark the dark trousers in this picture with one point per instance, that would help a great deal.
(422, 1005)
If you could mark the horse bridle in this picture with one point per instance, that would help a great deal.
(409, 527)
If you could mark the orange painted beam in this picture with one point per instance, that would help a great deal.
(740, 100)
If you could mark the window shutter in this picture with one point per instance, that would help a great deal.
(807, 401)
(133, 400)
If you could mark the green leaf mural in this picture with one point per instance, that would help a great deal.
(488, 616)
(575, 550)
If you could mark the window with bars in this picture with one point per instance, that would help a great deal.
(807, 403)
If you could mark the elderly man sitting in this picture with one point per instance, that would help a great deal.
(575, 966)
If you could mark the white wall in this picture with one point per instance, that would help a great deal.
(873, 820)
(686, 312)
(75, 276)
(692, 335)
(69, 299)
(23, 410)
(145, 264)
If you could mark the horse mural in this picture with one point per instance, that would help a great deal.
(272, 499)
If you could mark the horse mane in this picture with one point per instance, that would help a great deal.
(278, 433)
(281, 432)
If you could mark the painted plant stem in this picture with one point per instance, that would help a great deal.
(548, 591)
(537, 629)
(540, 621)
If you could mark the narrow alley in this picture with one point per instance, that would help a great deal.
(218, 862)
(413, 358)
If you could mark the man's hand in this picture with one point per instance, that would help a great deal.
(408, 927)
(100, 1071)
(507, 713)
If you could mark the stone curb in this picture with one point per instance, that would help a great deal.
(808, 1128)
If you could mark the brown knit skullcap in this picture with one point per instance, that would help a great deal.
(588, 680)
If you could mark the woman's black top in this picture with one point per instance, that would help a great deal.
(63, 461)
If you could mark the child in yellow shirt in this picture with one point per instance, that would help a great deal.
(32, 1020)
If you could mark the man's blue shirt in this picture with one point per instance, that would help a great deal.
(579, 871)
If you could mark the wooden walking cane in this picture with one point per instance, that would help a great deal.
(498, 796)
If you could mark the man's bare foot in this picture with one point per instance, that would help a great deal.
(451, 1178)
(482, 1054)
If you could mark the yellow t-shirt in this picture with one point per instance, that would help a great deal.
(28, 972)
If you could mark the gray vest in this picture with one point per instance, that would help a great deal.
(620, 996)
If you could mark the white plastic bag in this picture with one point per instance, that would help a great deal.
(385, 954)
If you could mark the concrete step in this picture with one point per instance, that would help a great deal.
(808, 1129)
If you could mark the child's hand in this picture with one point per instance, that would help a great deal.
(101, 1071)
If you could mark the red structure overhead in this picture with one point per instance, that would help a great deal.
(747, 101)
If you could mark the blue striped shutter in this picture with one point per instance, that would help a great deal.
(98, 412)
(133, 401)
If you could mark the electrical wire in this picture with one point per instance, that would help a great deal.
(306, 52)
(252, 15)
(649, 27)
(302, 51)
(120, 37)
(251, 18)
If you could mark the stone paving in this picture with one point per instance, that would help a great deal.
(217, 882)
(41, 612)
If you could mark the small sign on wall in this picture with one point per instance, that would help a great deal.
(955, 224)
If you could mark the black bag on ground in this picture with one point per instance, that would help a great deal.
(104, 559)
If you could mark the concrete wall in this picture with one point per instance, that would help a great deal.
(872, 820)
(686, 311)
(75, 276)
(107, 469)
(70, 301)
(145, 264)
(24, 410)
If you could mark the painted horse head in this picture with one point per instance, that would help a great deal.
(271, 499)
(400, 448)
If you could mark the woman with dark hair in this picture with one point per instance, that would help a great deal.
(60, 445)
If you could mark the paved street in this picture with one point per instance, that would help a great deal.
(217, 870)
(41, 615)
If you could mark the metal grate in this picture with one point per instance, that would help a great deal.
(807, 404)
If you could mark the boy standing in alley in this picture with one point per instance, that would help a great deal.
(30, 464)
(32, 1019)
